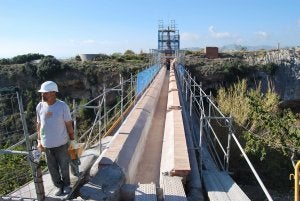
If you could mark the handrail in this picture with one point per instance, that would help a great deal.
(252, 168)
(185, 77)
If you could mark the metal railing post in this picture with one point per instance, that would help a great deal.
(104, 105)
(100, 124)
(201, 96)
(209, 106)
(296, 178)
(200, 144)
(228, 143)
(131, 88)
(75, 119)
(122, 94)
(194, 86)
(191, 103)
(182, 81)
(36, 170)
(186, 87)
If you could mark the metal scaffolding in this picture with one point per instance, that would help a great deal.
(168, 38)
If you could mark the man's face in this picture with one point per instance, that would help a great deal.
(46, 96)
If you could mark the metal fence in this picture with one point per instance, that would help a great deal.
(16, 159)
(212, 130)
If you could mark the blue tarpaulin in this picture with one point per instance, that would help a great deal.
(181, 69)
(144, 78)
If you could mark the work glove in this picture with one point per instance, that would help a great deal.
(40, 146)
(74, 144)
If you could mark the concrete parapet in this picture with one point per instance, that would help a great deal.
(110, 155)
(173, 101)
(173, 84)
(175, 159)
(105, 185)
(127, 147)
(181, 161)
(132, 149)
(173, 97)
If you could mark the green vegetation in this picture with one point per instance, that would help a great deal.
(265, 123)
(21, 59)
(48, 67)
(227, 69)
(27, 72)
(268, 133)
(14, 171)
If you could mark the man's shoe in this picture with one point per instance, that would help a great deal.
(67, 189)
(59, 192)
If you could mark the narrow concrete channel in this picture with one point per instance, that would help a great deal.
(149, 166)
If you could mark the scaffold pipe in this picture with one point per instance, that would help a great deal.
(296, 178)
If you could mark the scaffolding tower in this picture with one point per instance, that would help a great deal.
(168, 38)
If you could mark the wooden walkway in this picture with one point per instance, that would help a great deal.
(28, 192)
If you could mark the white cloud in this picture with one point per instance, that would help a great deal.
(262, 34)
(218, 35)
(190, 37)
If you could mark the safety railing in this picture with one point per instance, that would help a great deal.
(210, 125)
(108, 119)
(296, 178)
(18, 158)
(16, 145)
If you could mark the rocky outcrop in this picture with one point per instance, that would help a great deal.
(286, 79)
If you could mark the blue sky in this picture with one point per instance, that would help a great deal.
(65, 28)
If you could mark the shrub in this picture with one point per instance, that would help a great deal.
(48, 67)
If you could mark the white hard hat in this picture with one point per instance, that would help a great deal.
(48, 86)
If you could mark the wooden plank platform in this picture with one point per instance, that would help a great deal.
(28, 192)
(221, 187)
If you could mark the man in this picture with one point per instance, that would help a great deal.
(55, 129)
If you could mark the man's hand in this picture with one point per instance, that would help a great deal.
(74, 144)
(40, 146)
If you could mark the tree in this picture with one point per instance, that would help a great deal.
(20, 59)
(48, 67)
(30, 68)
(4, 61)
(77, 58)
(129, 52)
(266, 124)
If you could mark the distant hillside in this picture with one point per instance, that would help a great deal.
(280, 68)
(234, 47)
